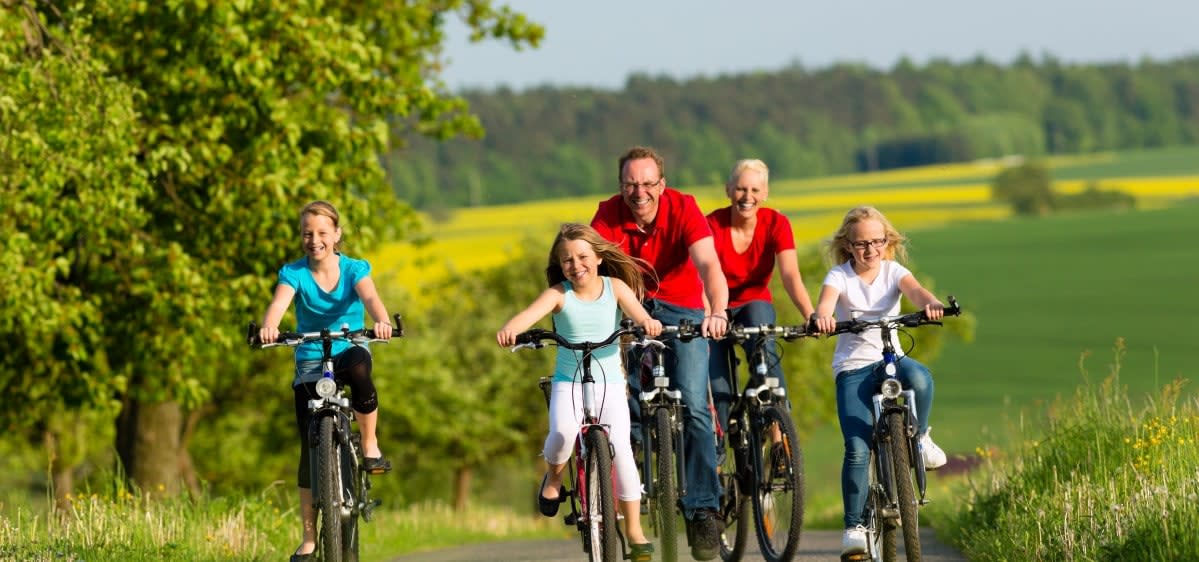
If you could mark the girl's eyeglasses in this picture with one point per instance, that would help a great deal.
(876, 243)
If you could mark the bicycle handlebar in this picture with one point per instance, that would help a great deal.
(534, 338)
(292, 339)
(788, 333)
(910, 320)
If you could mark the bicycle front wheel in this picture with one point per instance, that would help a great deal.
(905, 495)
(665, 497)
(779, 495)
(600, 510)
(328, 492)
(736, 507)
(351, 477)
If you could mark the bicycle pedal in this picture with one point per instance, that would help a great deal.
(570, 520)
(855, 556)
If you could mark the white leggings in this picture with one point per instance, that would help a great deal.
(566, 414)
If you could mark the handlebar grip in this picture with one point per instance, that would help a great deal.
(398, 330)
(252, 334)
(953, 309)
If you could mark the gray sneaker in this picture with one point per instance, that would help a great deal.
(703, 532)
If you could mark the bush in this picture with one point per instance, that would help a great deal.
(1094, 198)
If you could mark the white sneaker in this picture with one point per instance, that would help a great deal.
(853, 541)
(934, 457)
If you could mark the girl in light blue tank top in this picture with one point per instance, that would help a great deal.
(591, 281)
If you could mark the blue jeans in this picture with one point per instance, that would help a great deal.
(686, 363)
(721, 361)
(854, 391)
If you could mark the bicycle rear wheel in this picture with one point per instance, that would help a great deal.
(665, 498)
(600, 510)
(328, 493)
(779, 494)
(905, 495)
(736, 507)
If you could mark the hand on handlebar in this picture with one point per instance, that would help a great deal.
(823, 324)
(714, 326)
(383, 330)
(268, 334)
(653, 327)
(934, 311)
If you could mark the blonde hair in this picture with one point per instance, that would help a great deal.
(323, 209)
(748, 164)
(615, 263)
(839, 249)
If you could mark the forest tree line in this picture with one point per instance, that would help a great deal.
(551, 142)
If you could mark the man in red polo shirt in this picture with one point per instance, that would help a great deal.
(667, 229)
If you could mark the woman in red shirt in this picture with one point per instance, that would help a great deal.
(751, 241)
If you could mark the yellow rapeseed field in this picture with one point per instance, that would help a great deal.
(481, 237)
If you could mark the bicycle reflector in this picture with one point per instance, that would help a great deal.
(326, 387)
(891, 389)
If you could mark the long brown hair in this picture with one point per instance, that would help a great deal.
(839, 249)
(615, 263)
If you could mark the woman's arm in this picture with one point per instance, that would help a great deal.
(269, 331)
(788, 267)
(627, 300)
(374, 306)
(548, 301)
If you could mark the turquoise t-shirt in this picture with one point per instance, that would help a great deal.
(317, 309)
(591, 321)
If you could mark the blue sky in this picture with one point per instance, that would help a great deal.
(599, 43)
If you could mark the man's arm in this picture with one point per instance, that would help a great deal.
(716, 288)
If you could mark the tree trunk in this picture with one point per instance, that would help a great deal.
(462, 478)
(148, 442)
(62, 475)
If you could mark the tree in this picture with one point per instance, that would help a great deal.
(1027, 187)
(244, 111)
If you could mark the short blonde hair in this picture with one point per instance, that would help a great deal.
(748, 164)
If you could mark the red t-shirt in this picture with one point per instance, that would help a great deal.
(664, 244)
(748, 273)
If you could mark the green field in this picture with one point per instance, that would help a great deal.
(1046, 291)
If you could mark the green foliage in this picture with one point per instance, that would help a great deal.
(1027, 187)
(154, 157)
(805, 122)
(1095, 197)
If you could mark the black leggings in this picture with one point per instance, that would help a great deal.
(352, 367)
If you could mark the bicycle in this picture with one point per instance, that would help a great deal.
(663, 446)
(895, 452)
(763, 470)
(591, 497)
(340, 487)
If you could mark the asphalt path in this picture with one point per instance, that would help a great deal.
(814, 546)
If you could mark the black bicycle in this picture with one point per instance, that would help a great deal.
(592, 501)
(762, 471)
(663, 446)
(896, 456)
(340, 486)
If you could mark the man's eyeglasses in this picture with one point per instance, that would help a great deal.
(877, 244)
(632, 185)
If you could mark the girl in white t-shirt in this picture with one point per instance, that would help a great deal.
(869, 280)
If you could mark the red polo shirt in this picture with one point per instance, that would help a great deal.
(663, 244)
(748, 274)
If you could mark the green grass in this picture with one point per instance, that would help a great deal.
(1104, 476)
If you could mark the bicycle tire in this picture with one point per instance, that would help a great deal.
(329, 490)
(905, 495)
(736, 506)
(600, 515)
(778, 497)
(351, 477)
(666, 497)
(882, 530)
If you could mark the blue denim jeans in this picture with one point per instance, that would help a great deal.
(686, 363)
(854, 391)
(721, 359)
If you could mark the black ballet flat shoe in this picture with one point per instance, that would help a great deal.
(546, 506)
(376, 465)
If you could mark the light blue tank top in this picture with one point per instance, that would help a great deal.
(591, 321)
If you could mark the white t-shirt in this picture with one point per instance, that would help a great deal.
(870, 301)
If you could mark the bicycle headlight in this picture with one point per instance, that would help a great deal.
(326, 387)
(891, 389)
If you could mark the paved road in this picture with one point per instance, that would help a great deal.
(815, 546)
